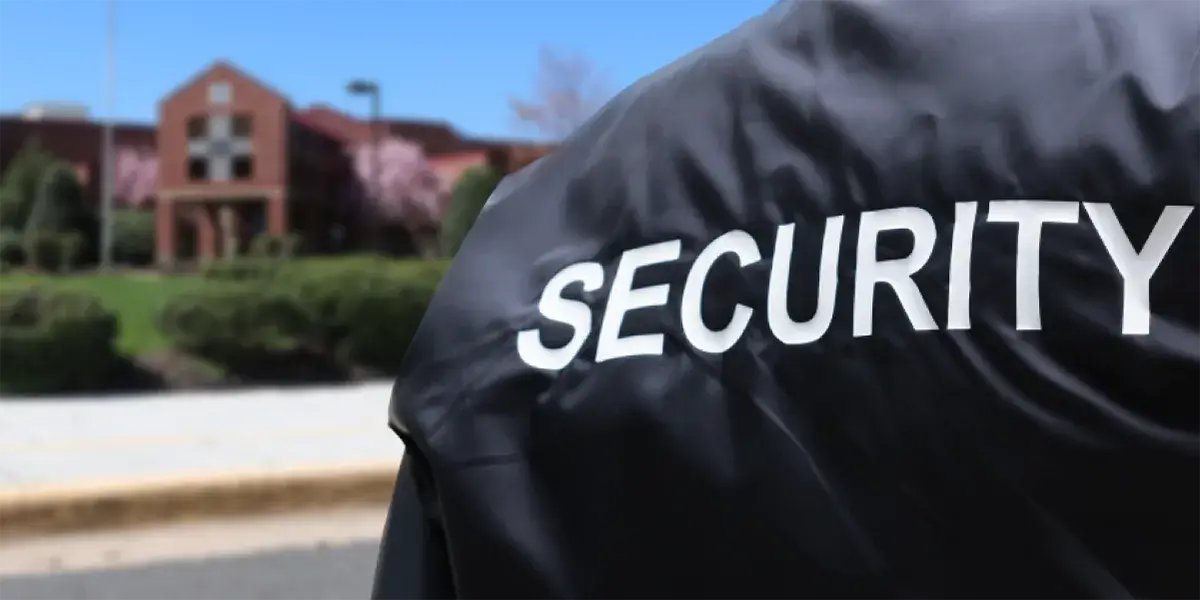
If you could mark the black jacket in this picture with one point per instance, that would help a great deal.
(863, 299)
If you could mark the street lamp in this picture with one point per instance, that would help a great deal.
(364, 87)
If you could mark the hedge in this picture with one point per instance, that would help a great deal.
(267, 256)
(12, 249)
(53, 251)
(55, 341)
(269, 246)
(242, 269)
(133, 237)
(358, 312)
(304, 320)
(229, 322)
(46, 250)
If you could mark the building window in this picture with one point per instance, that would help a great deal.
(197, 128)
(198, 169)
(243, 126)
(243, 167)
(220, 93)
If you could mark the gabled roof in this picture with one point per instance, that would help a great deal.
(223, 64)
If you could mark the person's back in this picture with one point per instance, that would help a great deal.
(861, 300)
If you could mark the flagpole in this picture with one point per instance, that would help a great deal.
(106, 168)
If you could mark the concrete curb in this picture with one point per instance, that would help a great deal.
(45, 510)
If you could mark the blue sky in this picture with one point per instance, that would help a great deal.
(457, 60)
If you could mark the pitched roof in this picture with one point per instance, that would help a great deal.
(223, 64)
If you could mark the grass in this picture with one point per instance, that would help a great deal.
(136, 298)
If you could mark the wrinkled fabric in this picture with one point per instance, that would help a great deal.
(965, 435)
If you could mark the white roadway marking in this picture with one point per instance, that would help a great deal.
(189, 540)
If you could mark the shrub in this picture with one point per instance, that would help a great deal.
(270, 246)
(470, 194)
(133, 237)
(365, 310)
(232, 322)
(381, 318)
(53, 251)
(12, 212)
(267, 254)
(70, 247)
(42, 249)
(241, 269)
(12, 249)
(358, 311)
(55, 341)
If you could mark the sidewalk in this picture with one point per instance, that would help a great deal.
(84, 463)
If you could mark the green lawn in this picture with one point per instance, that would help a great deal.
(136, 298)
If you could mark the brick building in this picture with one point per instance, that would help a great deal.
(236, 159)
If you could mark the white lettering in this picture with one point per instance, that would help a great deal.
(571, 312)
(1136, 268)
(623, 298)
(896, 273)
(741, 245)
(1030, 215)
(958, 303)
(782, 326)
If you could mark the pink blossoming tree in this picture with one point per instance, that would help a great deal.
(400, 188)
(136, 177)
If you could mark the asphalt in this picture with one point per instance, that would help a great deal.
(318, 573)
(151, 543)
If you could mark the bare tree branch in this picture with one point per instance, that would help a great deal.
(567, 91)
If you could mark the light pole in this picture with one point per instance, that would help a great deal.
(365, 87)
(106, 152)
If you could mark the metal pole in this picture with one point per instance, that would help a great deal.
(106, 167)
(377, 163)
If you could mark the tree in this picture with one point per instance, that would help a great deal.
(136, 177)
(470, 194)
(43, 200)
(39, 186)
(58, 204)
(567, 91)
(22, 184)
(399, 187)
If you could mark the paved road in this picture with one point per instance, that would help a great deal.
(333, 573)
(296, 556)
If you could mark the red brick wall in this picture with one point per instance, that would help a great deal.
(270, 115)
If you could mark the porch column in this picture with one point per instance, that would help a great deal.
(164, 231)
(206, 232)
(229, 230)
(277, 215)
